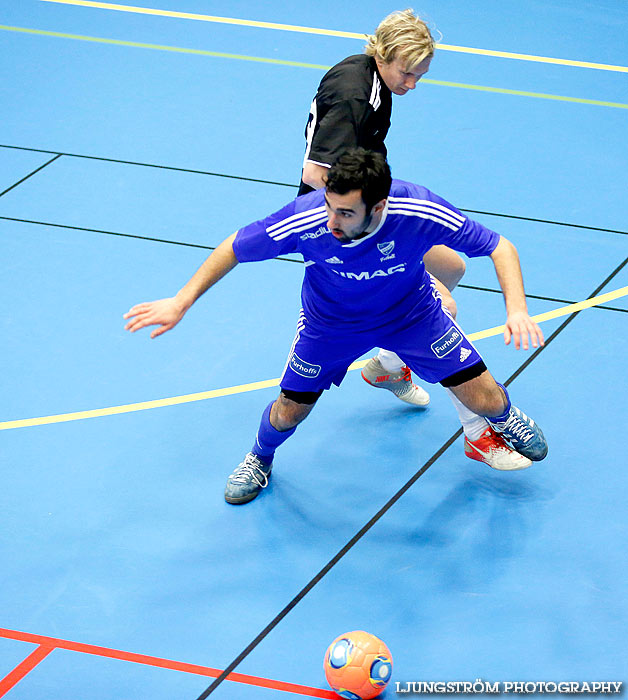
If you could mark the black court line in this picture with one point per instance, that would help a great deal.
(332, 562)
(545, 221)
(537, 296)
(41, 167)
(153, 165)
(567, 321)
(126, 235)
(293, 186)
(356, 538)
(280, 258)
(387, 506)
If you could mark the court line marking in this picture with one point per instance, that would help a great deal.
(330, 32)
(159, 47)
(24, 668)
(19, 182)
(268, 383)
(276, 61)
(200, 246)
(48, 644)
(390, 503)
(267, 182)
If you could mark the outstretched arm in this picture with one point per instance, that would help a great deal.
(519, 325)
(166, 313)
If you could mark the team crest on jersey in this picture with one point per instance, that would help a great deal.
(386, 249)
(446, 343)
(321, 231)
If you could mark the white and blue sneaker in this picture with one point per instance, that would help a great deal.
(522, 433)
(247, 480)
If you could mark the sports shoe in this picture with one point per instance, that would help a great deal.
(491, 448)
(400, 383)
(523, 434)
(247, 480)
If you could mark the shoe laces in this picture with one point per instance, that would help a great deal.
(250, 469)
(518, 427)
(404, 385)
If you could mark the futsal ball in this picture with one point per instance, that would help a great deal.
(358, 665)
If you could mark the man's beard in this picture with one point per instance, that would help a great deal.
(365, 224)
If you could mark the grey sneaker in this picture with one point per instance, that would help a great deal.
(523, 434)
(400, 383)
(247, 480)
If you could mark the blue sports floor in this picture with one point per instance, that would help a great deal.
(130, 144)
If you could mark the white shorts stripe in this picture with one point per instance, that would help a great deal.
(300, 326)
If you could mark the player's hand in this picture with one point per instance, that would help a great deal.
(165, 313)
(520, 327)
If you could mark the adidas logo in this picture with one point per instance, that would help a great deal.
(464, 353)
(334, 261)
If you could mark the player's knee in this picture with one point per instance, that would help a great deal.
(477, 390)
(291, 408)
(445, 265)
(454, 273)
(458, 271)
(449, 303)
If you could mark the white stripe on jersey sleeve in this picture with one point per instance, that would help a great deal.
(427, 210)
(308, 217)
(428, 203)
(424, 214)
(298, 226)
(294, 217)
(316, 162)
(298, 229)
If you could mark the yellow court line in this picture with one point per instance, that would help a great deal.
(267, 383)
(174, 49)
(277, 61)
(331, 32)
(557, 313)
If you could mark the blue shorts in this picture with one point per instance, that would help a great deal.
(434, 348)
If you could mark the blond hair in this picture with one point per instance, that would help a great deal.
(401, 35)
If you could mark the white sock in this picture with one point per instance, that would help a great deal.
(472, 424)
(390, 361)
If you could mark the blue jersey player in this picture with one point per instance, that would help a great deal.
(352, 108)
(362, 238)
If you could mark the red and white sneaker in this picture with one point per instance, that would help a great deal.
(399, 383)
(492, 449)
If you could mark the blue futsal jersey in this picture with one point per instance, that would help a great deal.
(378, 280)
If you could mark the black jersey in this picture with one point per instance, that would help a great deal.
(352, 107)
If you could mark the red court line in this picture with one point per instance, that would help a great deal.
(50, 643)
(29, 663)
